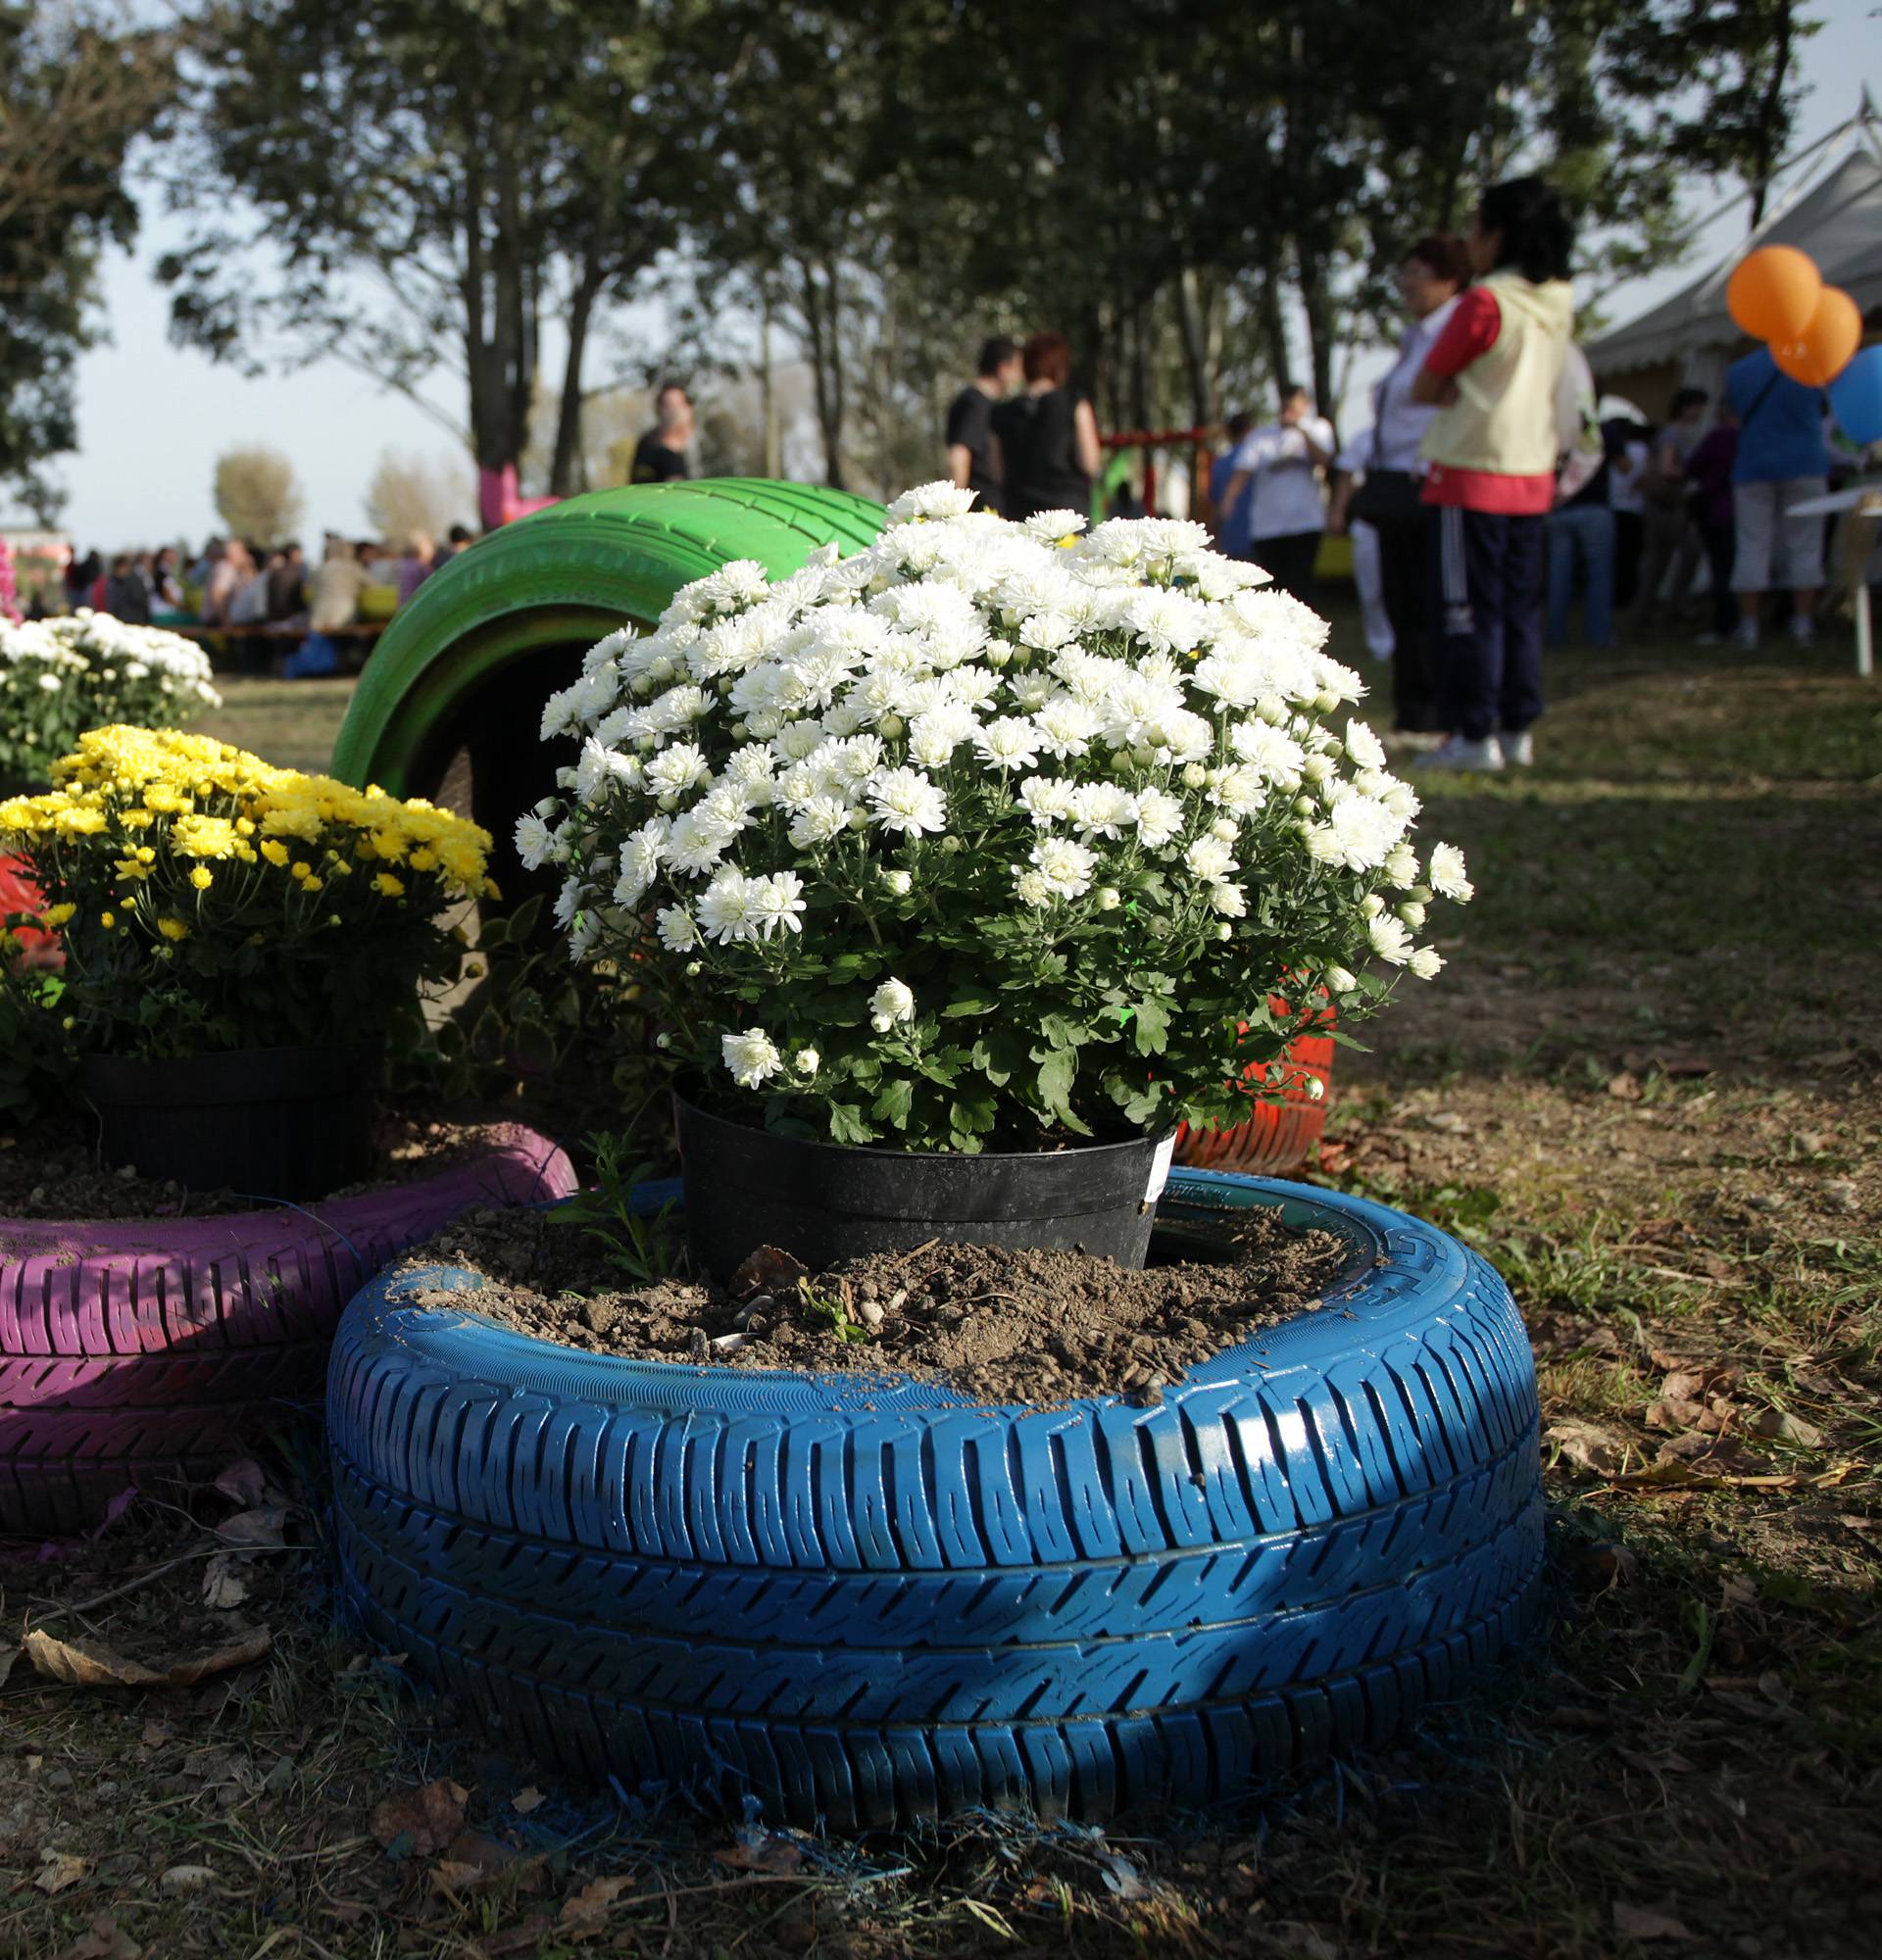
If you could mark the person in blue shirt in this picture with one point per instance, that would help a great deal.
(1783, 459)
(1234, 536)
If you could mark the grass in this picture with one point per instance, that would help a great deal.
(1647, 1086)
(291, 724)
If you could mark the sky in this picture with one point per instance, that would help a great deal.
(154, 418)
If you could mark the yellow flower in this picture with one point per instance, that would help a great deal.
(204, 837)
(202, 877)
(54, 917)
(129, 867)
(173, 928)
(107, 920)
(312, 884)
(275, 853)
(392, 887)
(423, 859)
(300, 868)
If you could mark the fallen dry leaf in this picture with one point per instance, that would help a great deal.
(243, 1482)
(223, 1586)
(527, 1799)
(585, 1911)
(1625, 1086)
(430, 1817)
(263, 1527)
(1646, 1922)
(57, 1871)
(187, 1878)
(1590, 1448)
(103, 1939)
(775, 1855)
(90, 1664)
(1789, 1429)
(764, 1270)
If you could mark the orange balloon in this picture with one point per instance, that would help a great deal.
(1827, 344)
(1773, 293)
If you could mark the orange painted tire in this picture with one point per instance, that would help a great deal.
(1278, 1136)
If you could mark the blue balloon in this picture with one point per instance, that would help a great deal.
(1856, 397)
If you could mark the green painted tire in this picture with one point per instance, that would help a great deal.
(507, 622)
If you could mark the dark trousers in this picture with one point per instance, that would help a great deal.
(1486, 596)
(1291, 562)
(1722, 552)
(1630, 536)
(1405, 550)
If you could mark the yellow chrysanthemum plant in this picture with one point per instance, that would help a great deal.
(209, 901)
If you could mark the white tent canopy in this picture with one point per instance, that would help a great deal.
(1837, 220)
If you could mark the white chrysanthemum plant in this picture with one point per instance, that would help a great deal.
(992, 836)
(58, 678)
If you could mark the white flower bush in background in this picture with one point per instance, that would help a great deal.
(58, 678)
(989, 836)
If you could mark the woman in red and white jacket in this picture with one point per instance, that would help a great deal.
(1494, 375)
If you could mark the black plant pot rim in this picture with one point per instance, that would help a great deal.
(1150, 1139)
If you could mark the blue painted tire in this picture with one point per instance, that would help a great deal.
(871, 1601)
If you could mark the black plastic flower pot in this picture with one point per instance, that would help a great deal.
(823, 1202)
(269, 1122)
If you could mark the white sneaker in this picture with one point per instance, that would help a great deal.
(1744, 634)
(1802, 629)
(1518, 749)
(1456, 752)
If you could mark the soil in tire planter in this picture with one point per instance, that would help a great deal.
(1004, 1326)
(49, 1171)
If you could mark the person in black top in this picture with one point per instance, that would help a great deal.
(973, 459)
(1048, 437)
(660, 457)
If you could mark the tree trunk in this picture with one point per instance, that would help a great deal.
(1192, 320)
(1317, 305)
(768, 384)
(566, 467)
(1771, 114)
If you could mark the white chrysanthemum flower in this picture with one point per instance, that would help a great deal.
(935, 734)
(1240, 790)
(643, 848)
(819, 821)
(1167, 621)
(1160, 819)
(534, 840)
(1066, 867)
(1051, 527)
(930, 501)
(1031, 889)
(1229, 900)
(1426, 963)
(1046, 632)
(694, 847)
(569, 902)
(1210, 859)
(752, 1057)
(1389, 938)
(1359, 833)
(1449, 878)
(1401, 867)
(806, 1061)
(891, 1004)
(898, 883)
(725, 908)
(1066, 727)
(776, 901)
(677, 932)
(1365, 747)
(796, 740)
(675, 769)
(1010, 743)
(1048, 799)
(1103, 809)
(906, 801)
(974, 685)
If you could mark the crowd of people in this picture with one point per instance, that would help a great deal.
(1487, 500)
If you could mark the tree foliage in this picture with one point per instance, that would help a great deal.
(75, 93)
(411, 495)
(257, 495)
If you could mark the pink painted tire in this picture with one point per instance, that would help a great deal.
(151, 1353)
